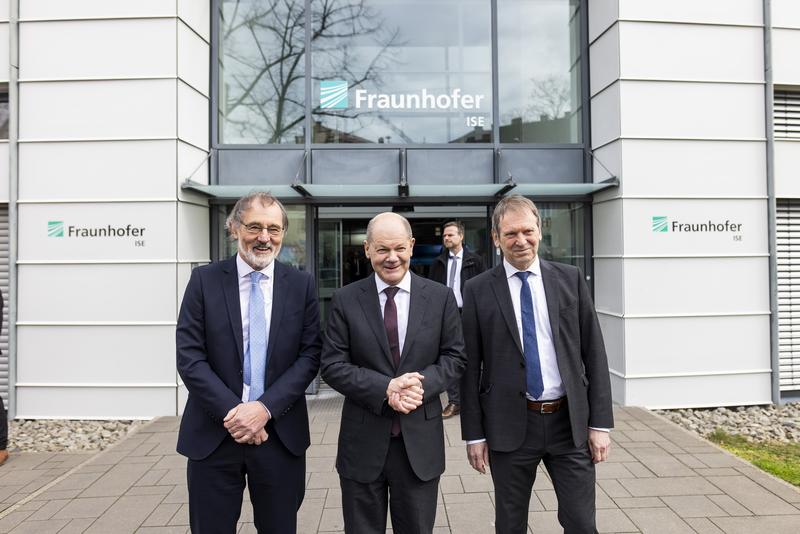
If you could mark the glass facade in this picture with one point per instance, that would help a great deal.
(261, 93)
(539, 71)
(402, 72)
(416, 71)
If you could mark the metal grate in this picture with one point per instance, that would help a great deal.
(788, 257)
(786, 113)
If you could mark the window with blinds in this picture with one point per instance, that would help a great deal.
(788, 257)
(786, 113)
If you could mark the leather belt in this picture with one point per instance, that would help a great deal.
(546, 406)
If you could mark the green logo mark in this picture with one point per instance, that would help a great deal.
(660, 224)
(55, 229)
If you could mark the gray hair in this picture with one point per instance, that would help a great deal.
(371, 225)
(513, 203)
(265, 198)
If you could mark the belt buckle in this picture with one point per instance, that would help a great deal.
(546, 407)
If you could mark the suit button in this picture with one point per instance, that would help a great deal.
(521, 393)
(240, 371)
(522, 364)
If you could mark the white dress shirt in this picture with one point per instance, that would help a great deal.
(551, 377)
(457, 280)
(402, 301)
(266, 286)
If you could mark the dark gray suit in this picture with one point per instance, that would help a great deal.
(494, 405)
(356, 361)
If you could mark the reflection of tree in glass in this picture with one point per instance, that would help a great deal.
(263, 67)
(549, 99)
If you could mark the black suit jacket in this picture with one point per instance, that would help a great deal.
(210, 356)
(471, 266)
(493, 402)
(356, 362)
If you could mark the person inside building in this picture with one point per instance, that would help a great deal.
(453, 267)
(537, 386)
(392, 344)
(248, 346)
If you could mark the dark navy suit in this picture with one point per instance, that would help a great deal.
(210, 356)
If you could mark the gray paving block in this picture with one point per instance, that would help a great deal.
(181, 517)
(658, 487)
(450, 484)
(613, 488)
(694, 506)
(788, 524)
(91, 507)
(333, 498)
(661, 463)
(476, 483)
(467, 498)
(639, 502)
(50, 526)
(544, 523)
(331, 520)
(116, 481)
(753, 496)
(76, 526)
(782, 489)
(10, 521)
(658, 521)
(323, 480)
(638, 470)
(548, 499)
(470, 518)
(49, 509)
(162, 530)
(614, 521)
(703, 525)
(310, 514)
(161, 515)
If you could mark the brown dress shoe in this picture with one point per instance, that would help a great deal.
(3, 456)
(450, 410)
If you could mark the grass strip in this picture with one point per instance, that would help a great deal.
(779, 459)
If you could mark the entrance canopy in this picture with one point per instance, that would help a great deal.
(404, 193)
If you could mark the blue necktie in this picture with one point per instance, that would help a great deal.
(533, 367)
(255, 361)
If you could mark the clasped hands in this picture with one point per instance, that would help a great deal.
(405, 392)
(246, 423)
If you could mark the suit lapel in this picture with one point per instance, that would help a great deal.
(230, 288)
(501, 292)
(416, 313)
(549, 280)
(368, 299)
(280, 288)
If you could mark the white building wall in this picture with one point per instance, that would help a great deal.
(107, 135)
(786, 73)
(685, 315)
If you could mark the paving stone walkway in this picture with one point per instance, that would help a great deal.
(660, 479)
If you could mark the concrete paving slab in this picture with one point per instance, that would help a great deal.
(660, 479)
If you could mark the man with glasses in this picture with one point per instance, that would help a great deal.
(248, 345)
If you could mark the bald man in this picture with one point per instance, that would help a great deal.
(392, 345)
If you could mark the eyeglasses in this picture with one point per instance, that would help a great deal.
(257, 229)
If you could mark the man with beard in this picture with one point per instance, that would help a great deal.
(248, 345)
(453, 267)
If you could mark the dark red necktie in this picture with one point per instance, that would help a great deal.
(392, 333)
